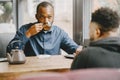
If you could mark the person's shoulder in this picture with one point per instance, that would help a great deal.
(58, 29)
(27, 25)
(91, 50)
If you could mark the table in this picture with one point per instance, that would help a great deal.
(57, 63)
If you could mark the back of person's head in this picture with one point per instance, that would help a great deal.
(106, 18)
(44, 4)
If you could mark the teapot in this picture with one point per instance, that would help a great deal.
(16, 56)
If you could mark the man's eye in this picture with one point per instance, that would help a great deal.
(49, 17)
(41, 17)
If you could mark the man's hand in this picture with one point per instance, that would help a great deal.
(34, 29)
(78, 50)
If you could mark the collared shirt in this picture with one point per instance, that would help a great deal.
(45, 42)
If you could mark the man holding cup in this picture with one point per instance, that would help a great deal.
(42, 37)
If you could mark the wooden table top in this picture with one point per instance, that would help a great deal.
(56, 63)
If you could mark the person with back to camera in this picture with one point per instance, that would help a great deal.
(104, 48)
(42, 37)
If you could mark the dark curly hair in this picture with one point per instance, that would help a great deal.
(106, 18)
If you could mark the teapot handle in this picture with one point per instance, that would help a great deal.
(17, 44)
(9, 57)
(16, 41)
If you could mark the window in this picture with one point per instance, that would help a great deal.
(113, 4)
(7, 24)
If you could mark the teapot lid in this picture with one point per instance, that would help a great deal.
(16, 49)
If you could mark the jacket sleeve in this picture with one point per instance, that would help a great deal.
(19, 40)
(80, 61)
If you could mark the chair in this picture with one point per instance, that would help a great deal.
(4, 40)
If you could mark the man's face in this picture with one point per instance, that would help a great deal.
(94, 32)
(45, 15)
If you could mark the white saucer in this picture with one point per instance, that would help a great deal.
(43, 56)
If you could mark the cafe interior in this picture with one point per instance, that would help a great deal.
(73, 16)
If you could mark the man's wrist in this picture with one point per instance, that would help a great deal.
(28, 35)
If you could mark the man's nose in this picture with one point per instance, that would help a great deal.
(46, 20)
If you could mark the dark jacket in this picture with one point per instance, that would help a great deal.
(104, 53)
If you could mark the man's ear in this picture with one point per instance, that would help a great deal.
(98, 32)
